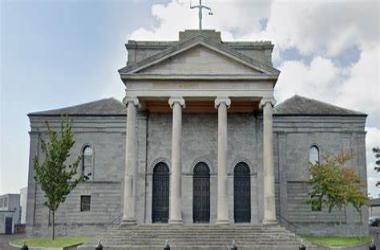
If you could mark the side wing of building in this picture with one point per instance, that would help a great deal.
(99, 134)
(307, 130)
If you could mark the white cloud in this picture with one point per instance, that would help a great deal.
(323, 27)
(240, 17)
(172, 17)
(356, 87)
(326, 27)
(362, 88)
(319, 79)
(320, 29)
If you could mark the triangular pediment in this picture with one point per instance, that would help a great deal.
(199, 60)
(199, 56)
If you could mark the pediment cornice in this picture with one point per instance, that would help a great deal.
(197, 40)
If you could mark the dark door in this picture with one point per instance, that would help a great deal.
(242, 193)
(201, 193)
(160, 203)
(8, 225)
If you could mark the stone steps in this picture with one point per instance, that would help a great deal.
(257, 247)
(197, 237)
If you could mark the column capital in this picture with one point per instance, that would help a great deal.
(131, 99)
(176, 99)
(267, 99)
(222, 99)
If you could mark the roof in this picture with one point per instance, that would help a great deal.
(299, 105)
(374, 202)
(190, 42)
(294, 106)
(103, 107)
(9, 194)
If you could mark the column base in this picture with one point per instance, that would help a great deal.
(175, 222)
(270, 221)
(222, 222)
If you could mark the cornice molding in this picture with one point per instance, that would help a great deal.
(197, 77)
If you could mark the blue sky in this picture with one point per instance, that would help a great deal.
(60, 53)
(53, 54)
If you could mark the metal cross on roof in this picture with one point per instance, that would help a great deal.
(200, 9)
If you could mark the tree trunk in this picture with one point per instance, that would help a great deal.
(53, 228)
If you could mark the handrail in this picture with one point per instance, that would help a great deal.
(289, 225)
(292, 228)
(115, 221)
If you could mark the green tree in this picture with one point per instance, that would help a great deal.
(55, 175)
(335, 186)
(376, 151)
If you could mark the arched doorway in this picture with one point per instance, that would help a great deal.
(201, 193)
(242, 193)
(160, 202)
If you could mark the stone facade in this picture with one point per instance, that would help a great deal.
(125, 151)
(106, 136)
(332, 134)
(9, 209)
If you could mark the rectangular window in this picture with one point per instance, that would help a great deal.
(85, 203)
(5, 202)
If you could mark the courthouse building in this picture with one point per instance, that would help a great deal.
(199, 139)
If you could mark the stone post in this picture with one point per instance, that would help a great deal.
(222, 103)
(269, 193)
(175, 217)
(130, 162)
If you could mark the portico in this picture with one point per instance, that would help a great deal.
(201, 76)
(177, 104)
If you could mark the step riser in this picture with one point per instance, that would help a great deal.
(292, 247)
(197, 237)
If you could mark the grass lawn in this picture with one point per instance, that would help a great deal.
(59, 242)
(335, 241)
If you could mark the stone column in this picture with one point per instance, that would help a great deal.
(269, 193)
(175, 217)
(222, 103)
(130, 162)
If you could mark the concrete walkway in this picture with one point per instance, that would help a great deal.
(5, 238)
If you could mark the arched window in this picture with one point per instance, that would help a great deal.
(160, 198)
(314, 154)
(87, 161)
(201, 193)
(242, 193)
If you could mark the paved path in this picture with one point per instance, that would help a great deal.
(374, 233)
(4, 239)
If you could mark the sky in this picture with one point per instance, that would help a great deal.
(56, 53)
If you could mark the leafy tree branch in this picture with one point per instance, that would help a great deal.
(56, 176)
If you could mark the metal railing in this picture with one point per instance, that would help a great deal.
(115, 222)
(289, 225)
